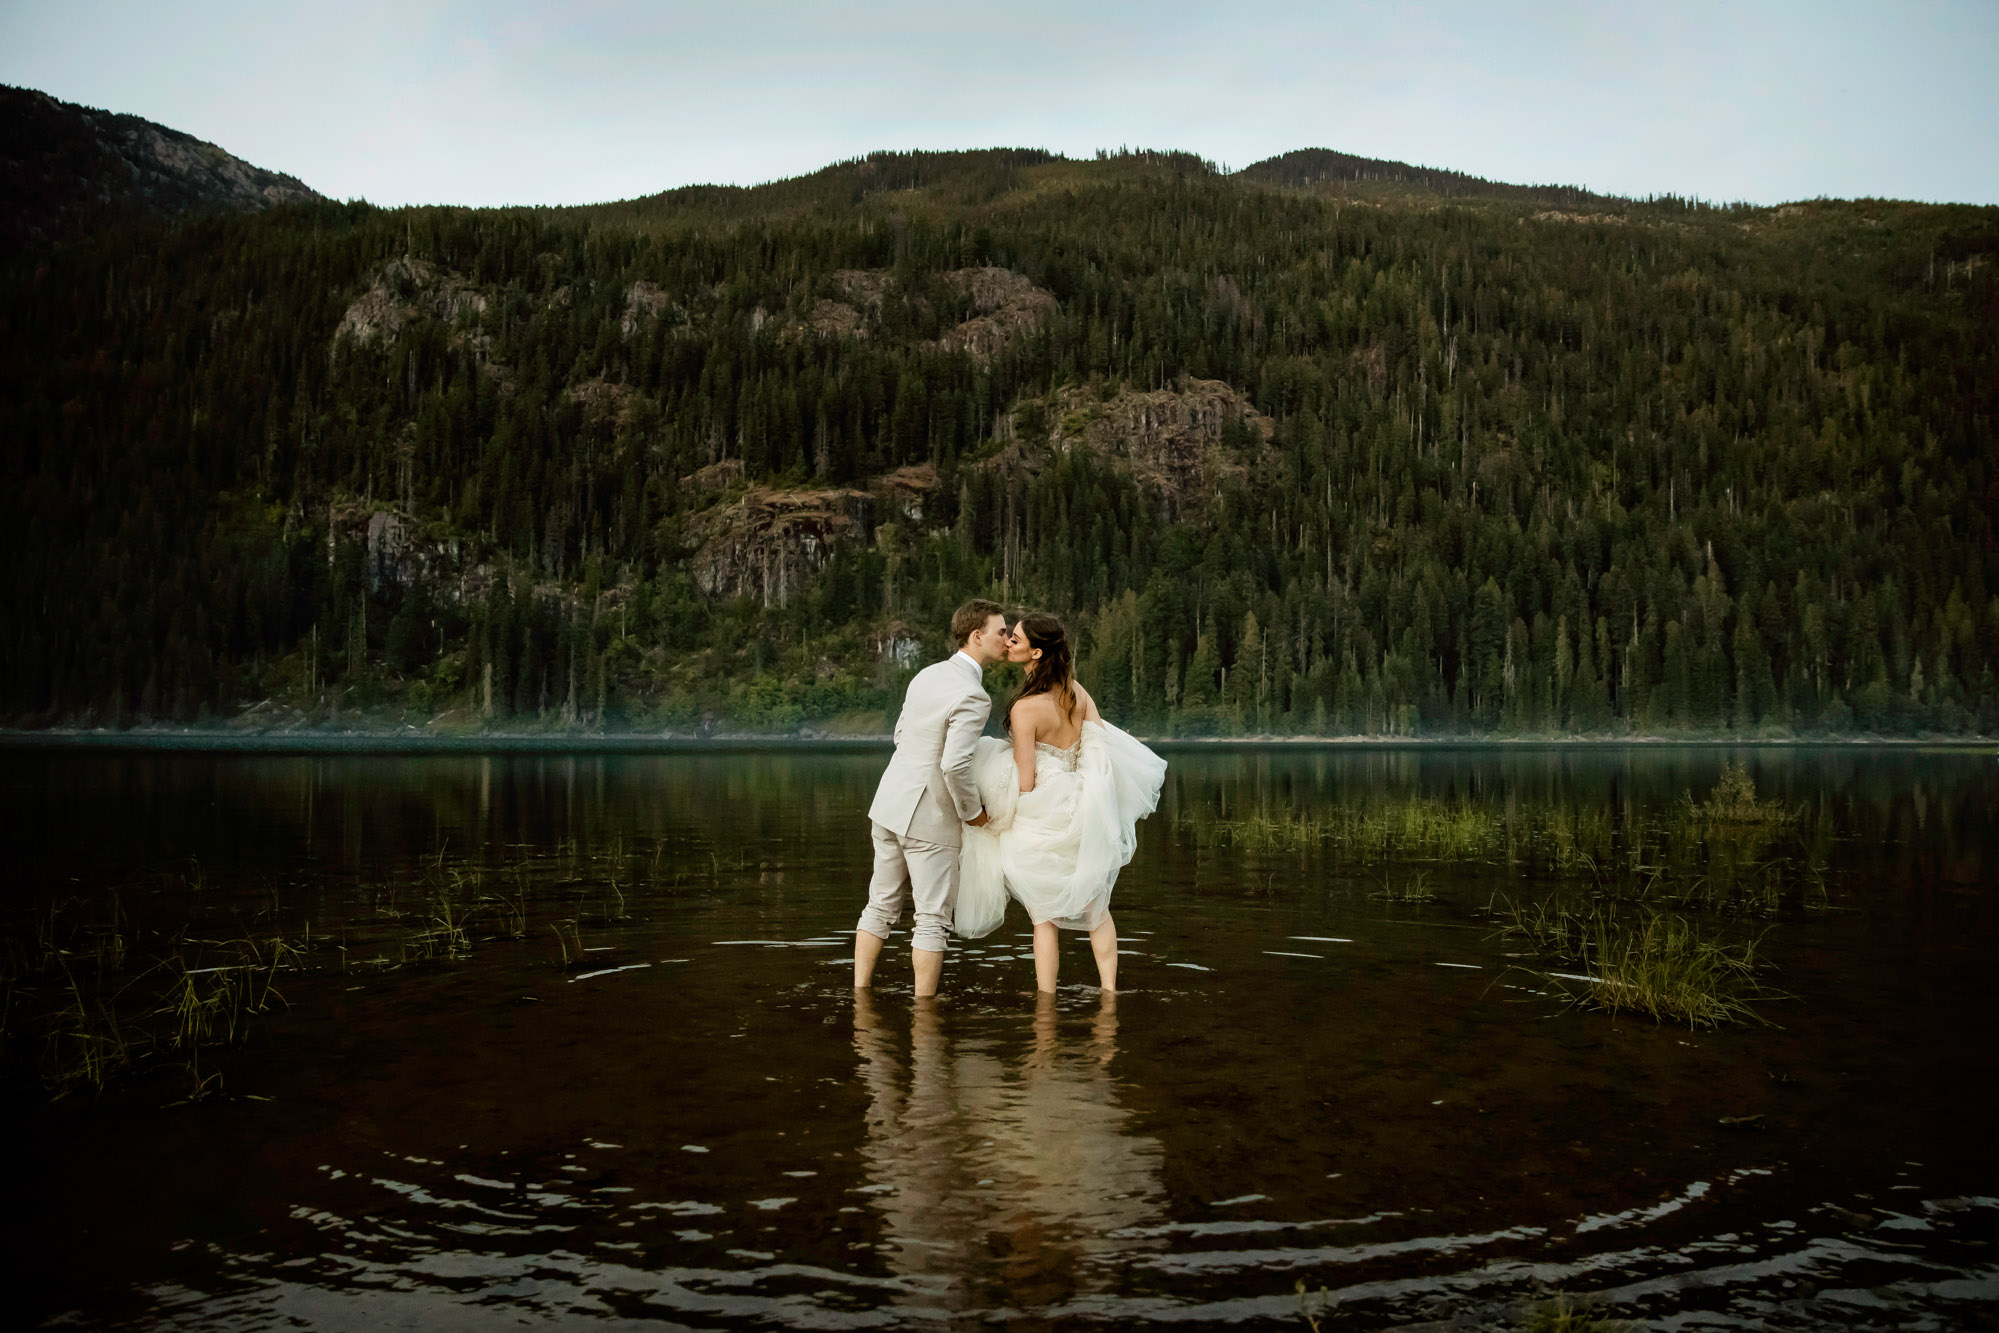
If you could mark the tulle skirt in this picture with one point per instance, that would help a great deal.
(1059, 848)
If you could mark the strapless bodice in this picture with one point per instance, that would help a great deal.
(1061, 757)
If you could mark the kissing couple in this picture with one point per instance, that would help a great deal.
(1047, 816)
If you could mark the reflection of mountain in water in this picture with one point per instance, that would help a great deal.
(1001, 1182)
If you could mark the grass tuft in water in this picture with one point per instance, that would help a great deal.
(1733, 801)
(90, 996)
(1659, 964)
(1569, 1314)
(1413, 889)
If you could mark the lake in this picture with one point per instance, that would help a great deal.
(572, 1041)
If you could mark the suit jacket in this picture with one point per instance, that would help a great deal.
(927, 792)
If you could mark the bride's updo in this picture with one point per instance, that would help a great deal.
(1053, 672)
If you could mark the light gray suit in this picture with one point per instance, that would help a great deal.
(924, 799)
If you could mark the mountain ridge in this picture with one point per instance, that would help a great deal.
(1300, 453)
(67, 170)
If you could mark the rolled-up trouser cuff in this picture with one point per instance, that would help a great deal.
(876, 922)
(931, 932)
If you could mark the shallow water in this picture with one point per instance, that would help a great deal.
(695, 1124)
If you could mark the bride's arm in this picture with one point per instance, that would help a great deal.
(1090, 713)
(1022, 721)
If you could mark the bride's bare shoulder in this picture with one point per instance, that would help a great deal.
(1090, 713)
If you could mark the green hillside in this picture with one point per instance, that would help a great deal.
(1307, 448)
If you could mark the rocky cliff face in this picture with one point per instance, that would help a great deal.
(67, 170)
(1005, 306)
(405, 290)
(1008, 306)
(1178, 443)
(768, 541)
(396, 554)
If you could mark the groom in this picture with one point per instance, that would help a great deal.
(927, 795)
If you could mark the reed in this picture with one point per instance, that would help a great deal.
(92, 996)
(1730, 854)
(1445, 831)
(511, 910)
(569, 939)
(1660, 965)
(612, 907)
(1413, 889)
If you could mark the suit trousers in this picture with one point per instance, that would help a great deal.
(908, 868)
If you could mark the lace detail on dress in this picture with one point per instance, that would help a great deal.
(1065, 757)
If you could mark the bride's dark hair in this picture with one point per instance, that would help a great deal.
(1053, 672)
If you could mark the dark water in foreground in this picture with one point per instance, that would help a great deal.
(1302, 1081)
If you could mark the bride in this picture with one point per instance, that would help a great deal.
(1063, 796)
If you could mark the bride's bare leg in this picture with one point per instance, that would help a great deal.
(1047, 955)
(1103, 943)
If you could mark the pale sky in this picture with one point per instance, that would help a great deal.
(437, 101)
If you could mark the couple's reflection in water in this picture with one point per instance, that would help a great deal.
(998, 1155)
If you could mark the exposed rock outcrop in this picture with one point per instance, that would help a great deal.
(645, 304)
(1005, 306)
(1176, 442)
(910, 492)
(1008, 306)
(769, 542)
(836, 319)
(900, 647)
(862, 288)
(397, 555)
(605, 403)
(406, 290)
(715, 477)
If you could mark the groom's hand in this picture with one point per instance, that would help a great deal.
(980, 822)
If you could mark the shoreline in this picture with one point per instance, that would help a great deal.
(193, 741)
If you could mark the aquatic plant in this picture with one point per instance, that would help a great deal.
(1568, 1314)
(569, 939)
(1659, 964)
(1364, 832)
(1413, 889)
(612, 907)
(511, 910)
(1733, 801)
(91, 995)
(1731, 854)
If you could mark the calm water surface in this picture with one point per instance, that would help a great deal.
(697, 1125)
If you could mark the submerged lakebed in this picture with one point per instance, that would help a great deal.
(561, 1039)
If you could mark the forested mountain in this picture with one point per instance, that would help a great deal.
(68, 170)
(1416, 458)
(1326, 171)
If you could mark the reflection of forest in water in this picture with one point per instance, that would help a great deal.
(383, 813)
(1331, 1062)
(1003, 1174)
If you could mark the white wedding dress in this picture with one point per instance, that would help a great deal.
(1057, 849)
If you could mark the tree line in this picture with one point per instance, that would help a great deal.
(1652, 468)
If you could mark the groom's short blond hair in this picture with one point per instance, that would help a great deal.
(970, 618)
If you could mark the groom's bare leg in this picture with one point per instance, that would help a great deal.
(1047, 955)
(929, 964)
(1103, 943)
(867, 948)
